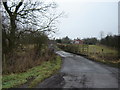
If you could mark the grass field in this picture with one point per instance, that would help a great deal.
(36, 74)
(104, 54)
(98, 49)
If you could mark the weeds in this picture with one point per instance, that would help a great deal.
(21, 61)
(38, 74)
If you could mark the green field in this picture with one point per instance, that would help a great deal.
(104, 54)
(97, 49)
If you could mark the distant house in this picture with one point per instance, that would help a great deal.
(77, 41)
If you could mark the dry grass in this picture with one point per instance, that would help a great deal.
(107, 53)
(32, 76)
(21, 61)
(107, 56)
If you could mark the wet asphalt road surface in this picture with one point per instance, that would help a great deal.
(79, 72)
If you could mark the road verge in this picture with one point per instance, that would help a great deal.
(35, 75)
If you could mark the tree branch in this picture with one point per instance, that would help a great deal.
(6, 8)
(18, 6)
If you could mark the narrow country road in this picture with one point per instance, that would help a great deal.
(79, 72)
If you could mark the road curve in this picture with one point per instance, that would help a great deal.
(79, 72)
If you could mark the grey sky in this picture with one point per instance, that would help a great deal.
(87, 19)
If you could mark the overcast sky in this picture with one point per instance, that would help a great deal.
(86, 19)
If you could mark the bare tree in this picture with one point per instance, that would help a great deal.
(109, 34)
(101, 34)
(29, 13)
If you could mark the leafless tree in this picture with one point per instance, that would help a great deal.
(26, 13)
(101, 34)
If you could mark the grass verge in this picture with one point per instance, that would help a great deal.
(108, 62)
(38, 74)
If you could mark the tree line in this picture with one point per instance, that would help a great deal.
(109, 40)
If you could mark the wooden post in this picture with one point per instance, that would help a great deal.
(87, 49)
(4, 61)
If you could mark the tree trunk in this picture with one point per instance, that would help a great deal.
(12, 33)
